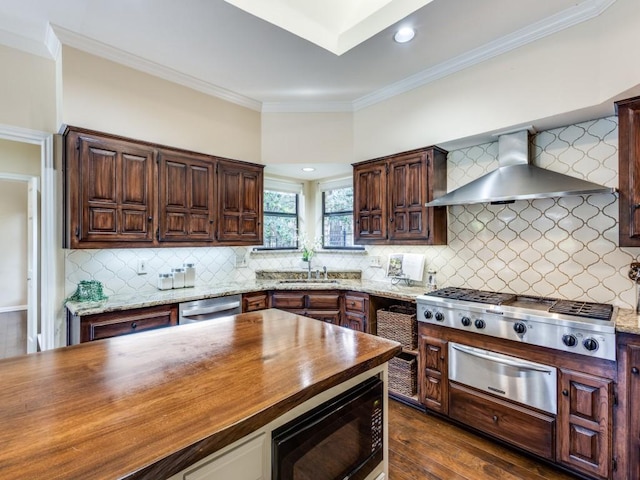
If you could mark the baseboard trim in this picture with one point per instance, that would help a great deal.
(17, 308)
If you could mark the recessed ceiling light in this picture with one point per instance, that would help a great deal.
(308, 169)
(404, 35)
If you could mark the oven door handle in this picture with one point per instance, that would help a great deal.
(504, 361)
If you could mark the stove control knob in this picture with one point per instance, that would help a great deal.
(569, 340)
(427, 314)
(520, 328)
(439, 316)
(479, 324)
(466, 321)
(590, 344)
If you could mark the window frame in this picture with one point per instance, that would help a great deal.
(326, 214)
(295, 215)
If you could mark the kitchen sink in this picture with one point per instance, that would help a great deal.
(307, 280)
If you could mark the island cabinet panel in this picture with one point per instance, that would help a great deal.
(633, 405)
(390, 195)
(186, 198)
(254, 301)
(113, 324)
(433, 382)
(629, 171)
(239, 203)
(109, 191)
(584, 426)
(528, 429)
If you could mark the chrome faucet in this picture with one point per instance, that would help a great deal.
(324, 269)
(317, 274)
(309, 272)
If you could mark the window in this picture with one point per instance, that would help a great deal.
(337, 217)
(280, 219)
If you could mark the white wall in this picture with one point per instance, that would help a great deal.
(580, 67)
(108, 97)
(13, 244)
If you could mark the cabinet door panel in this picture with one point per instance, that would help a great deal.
(629, 171)
(370, 211)
(239, 203)
(186, 198)
(633, 396)
(584, 423)
(113, 197)
(408, 175)
(433, 374)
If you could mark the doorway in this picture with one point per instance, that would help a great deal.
(19, 272)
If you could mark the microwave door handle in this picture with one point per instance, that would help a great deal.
(215, 309)
(504, 361)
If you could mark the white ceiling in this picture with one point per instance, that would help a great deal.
(219, 48)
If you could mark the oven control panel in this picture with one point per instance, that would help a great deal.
(567, 336)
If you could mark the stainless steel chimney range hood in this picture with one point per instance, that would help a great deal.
(517, 179)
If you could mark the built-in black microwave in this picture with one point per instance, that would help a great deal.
(340, 439)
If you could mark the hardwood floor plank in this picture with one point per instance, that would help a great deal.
(428, 447)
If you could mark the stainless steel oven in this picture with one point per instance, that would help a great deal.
(341, 439)
(521, 381)
(209, 309)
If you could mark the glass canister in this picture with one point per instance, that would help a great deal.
(178, 277)
(432, 283)
(165, 281)
(189, 274)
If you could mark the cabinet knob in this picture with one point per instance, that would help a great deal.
(495, 419)
(565, 393)
(150, 218)
(635, 206)
(634, 370)
(134, 325)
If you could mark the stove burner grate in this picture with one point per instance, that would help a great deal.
(583, 309)
(470, 295)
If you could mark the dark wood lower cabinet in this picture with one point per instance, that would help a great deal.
(113, 324)
(254, 301)
(528, 429)
(432, 373)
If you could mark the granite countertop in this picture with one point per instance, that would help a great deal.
(628, 321)
(151, 404)
(162, 297)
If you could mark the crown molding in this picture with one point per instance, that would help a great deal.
(307, 107)
(113, 54)
(545, 27)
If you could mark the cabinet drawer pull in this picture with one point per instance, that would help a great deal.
(565, 393)
(634, 370)
(495, 419)
(134, 324)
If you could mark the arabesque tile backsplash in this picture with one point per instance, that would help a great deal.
(564, 247)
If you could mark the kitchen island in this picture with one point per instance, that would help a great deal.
(152, 404)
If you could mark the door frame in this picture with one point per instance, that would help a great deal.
(48, 254)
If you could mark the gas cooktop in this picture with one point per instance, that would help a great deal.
(597, 311)
(572, 326)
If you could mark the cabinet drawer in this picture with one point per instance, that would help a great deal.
(254, 301)
(329, 316)
(354, 303)
(96, 327)
(323, 301)
(527, 429)
(287, 300)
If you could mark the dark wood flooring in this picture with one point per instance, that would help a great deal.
(423, 446)
(13, 334)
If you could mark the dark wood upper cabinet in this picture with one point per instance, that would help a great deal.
(186, 193)
(124, 193)
(370, 202)
(110, 191)
(239, 203)
(629, 171)
(390, 195)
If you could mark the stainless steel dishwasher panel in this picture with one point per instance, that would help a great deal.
(209, 309)
(525, 382)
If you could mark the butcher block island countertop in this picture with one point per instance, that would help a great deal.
(151, 404)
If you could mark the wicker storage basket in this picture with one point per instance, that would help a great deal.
(399, 323)
(403, 371)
